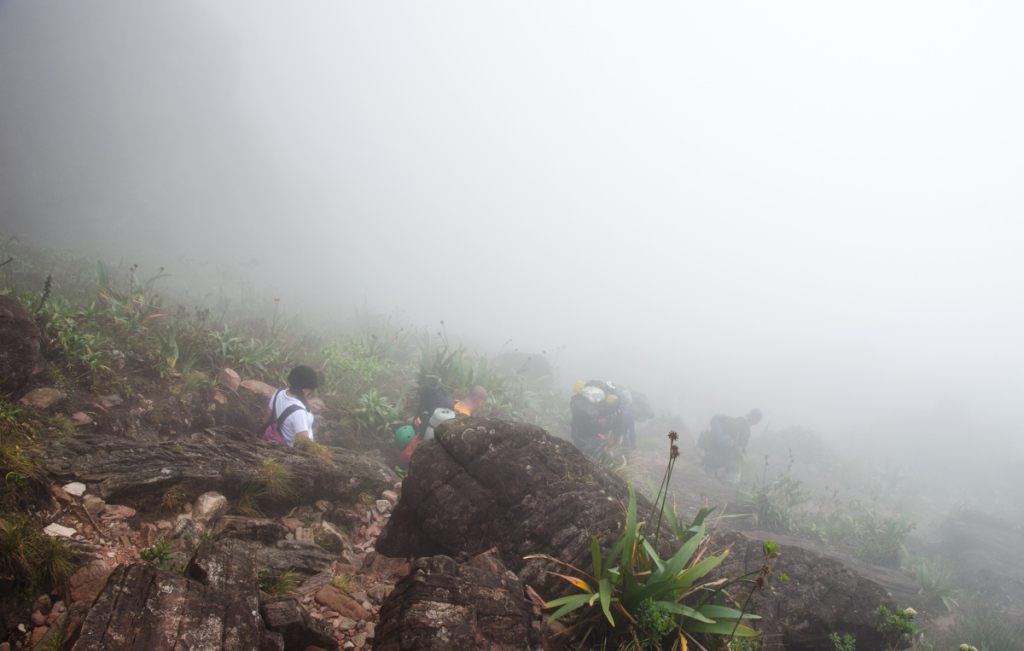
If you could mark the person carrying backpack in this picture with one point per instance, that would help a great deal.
(288, 417)
(434, 407)
(594, 407)
(726, 442)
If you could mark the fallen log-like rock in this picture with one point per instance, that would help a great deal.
(446, 606)
(484, 483)
(214, 606)
(220, 459)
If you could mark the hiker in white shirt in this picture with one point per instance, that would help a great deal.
(288, 413)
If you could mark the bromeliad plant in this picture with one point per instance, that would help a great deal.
(633, 596)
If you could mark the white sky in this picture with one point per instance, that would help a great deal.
(823, 194)
(813, 208)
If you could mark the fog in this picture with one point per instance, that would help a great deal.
(810, 208)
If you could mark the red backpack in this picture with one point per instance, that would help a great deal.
(409, 449)
(272, 428)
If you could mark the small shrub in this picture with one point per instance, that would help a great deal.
(17, 468)
(62, 424)
(159, 555)
(897, 627)
(175, 498)
(776, 503)
(375, 412)
(250, 357)
(845, 642)
(656, 622)
(194, 380)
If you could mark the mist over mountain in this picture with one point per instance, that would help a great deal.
(807, 209)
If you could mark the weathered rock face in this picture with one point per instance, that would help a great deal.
(43, 398)
(220, 459)
(19, 345)
(215, 606)
(443, 605)
(266, 532)
(299, 631)
(88, 582)
(484, 483)
(823, 595)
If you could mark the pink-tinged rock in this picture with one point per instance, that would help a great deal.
(86, 583)
(112, 400)
(117, 512)
(220, 398)
(257, 387)
(228, 379)
(390, 496)
(331, 597)
(372, 531)
(81, 419)
(38, 619)
(43, 398)
(148, 534)
(37, 634)
(316, 405)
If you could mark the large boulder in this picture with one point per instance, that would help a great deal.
(444, 605)
(219, 459)
(300, 631)
(483, 483)
(214, 606)
(19, 345)
(823, 594)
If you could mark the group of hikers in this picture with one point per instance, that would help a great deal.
(435, 406)
(288, 418)
(603, 418)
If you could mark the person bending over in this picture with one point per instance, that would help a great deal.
(288, 417)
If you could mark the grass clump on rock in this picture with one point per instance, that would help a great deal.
(279, 584)
(313, 449)
(274, 481)
(343, 582)
(31, 558)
